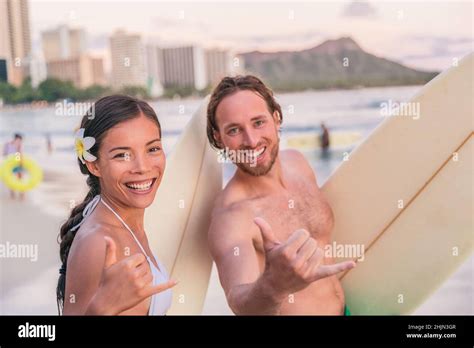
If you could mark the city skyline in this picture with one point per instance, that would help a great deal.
(65, 55)
(175, 45)
(429, 40)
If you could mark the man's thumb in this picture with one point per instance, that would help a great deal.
(269, 239)
(110, 252)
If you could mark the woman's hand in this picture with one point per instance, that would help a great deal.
(123, 284)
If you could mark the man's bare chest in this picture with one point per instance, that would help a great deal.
(303, 206)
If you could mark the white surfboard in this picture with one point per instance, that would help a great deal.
(406, 194)
(178, 221)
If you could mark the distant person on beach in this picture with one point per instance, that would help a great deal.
(49, 143)
(108, 267)
(271, 222)
(15, 147)
(324, 137)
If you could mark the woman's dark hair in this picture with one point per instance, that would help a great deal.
(106, 113)
(229, 85)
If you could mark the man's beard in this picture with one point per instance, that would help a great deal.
(260, 170)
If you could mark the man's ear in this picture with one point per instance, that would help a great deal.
(217, 137)
(93, 168)
(277, 118)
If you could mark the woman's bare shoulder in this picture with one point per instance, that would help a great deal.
(88, 247)
(85, 266)
(91, 234)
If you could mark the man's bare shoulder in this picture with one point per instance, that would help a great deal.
(295, 160)
(232, 217)
(232, 213)
(232, 200)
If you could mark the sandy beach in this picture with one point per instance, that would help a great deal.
(28, 284)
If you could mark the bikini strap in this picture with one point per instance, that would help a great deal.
(88, 209)
(126, 226)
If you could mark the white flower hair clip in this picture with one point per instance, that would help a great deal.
(83, 145)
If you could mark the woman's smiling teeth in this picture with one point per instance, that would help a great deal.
(140, 185)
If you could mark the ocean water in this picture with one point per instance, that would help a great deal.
(342, 111)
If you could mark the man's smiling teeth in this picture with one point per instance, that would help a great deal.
(144, 186)
(259, 152)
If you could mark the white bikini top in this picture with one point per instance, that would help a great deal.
(161, 302)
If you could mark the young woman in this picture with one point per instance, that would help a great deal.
(107, 264)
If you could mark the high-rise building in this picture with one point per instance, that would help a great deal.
(15, 39)
(184, 67)
(154, 70)
(64, 51)
(38, 71)
(128, 60)
(83, 71)
(5, 51)
(63, 43)
(98, 72)
(219, 63)
(3, 70)
(192, 66)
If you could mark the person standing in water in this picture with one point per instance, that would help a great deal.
(324, 137)
(15, 147)
(49, 143)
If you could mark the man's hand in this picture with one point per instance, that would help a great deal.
(293, 265)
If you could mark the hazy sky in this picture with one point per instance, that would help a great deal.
(423, 34)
